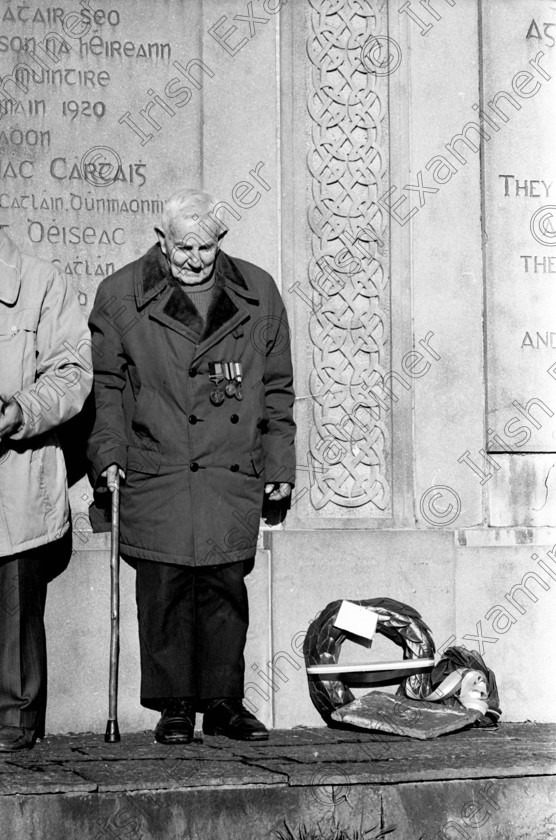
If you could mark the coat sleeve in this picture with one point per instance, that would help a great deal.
(279, 439)
(108, 442)
(63, 369)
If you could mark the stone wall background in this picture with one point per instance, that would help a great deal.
(312, 120)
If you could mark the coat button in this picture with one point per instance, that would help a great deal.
(194, 466)
(193, 419)
(193, 371)
(234, 418)
(234, 467)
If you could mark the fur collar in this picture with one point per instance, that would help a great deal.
(176, 307)
(152, 275)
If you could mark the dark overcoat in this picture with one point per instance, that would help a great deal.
(195, 472)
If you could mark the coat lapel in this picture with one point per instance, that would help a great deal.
(227, 310)
(175, 310)
(171, 308)
(223, 317)
(150, 276)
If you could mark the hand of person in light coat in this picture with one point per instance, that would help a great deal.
(277, 492)
(11, 417)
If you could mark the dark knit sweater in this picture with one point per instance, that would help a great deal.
(201, 295)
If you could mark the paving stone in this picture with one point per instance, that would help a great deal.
(134, 749)
(42, 779)
(169, 775)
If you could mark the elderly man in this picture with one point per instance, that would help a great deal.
(194, 401)
(45, 376)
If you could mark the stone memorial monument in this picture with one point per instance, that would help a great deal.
(391, 165)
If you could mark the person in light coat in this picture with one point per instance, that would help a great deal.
(45, 377)
(194, 406)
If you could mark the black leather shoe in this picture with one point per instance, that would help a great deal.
(230, 718)
(177, 724)
(13, 738)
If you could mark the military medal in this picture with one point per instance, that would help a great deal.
(216, 377)
(216, 396)
(230, 387)
(238, 376)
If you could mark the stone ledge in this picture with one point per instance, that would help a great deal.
(503, 537)
(76, 785)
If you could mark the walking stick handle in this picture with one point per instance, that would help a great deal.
(112, 734)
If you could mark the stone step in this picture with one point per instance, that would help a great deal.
(474, 784)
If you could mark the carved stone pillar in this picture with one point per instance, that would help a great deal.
(342, 298)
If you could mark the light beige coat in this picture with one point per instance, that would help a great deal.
(45, 364)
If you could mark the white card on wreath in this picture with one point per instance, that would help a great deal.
(357, 620)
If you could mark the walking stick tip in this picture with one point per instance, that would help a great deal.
(112, 734)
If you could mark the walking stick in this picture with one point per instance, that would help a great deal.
(112, 734)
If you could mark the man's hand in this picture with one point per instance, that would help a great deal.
(11, 418)
(276, 492)
(110, 474)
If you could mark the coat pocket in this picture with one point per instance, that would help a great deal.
(14, 323)
(143, 460)
(144, 415)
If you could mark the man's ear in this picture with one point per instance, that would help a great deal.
(162, 240)
(221, 237)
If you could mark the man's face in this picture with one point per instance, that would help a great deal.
(191, 251)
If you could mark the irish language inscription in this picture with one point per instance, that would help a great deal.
(94, 131)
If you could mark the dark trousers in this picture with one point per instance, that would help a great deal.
(192, 629)
(23, 582)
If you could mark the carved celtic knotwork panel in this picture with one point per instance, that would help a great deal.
(348, 270)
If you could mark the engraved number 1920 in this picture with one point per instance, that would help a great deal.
(74, 109)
